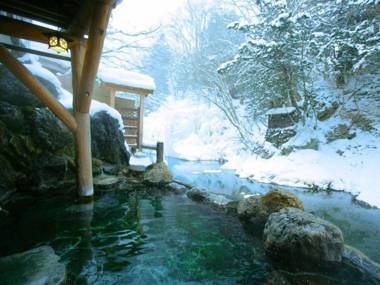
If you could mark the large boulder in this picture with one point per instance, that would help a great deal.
(37, 152)
(108, 142)
(16, 93)
(38, 266)
(302, 240)
(256, 209)
(158, 173)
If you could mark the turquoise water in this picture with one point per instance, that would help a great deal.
(150, 236)
(139, 238)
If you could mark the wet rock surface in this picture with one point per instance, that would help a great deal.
(302, 240)
(107, 140)
(106, 182)
(358, 261)
(256, 209)
(158, 173)
(38, 266)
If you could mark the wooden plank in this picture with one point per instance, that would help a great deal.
(24, 75)
(20, 29)
(37, 52)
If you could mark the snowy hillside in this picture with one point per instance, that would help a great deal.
(195, 130)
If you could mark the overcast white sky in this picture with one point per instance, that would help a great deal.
(143, 14)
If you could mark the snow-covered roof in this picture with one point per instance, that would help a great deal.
(282, 110)
(126, 78)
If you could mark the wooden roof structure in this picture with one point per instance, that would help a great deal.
(56, 13)
(84, 24)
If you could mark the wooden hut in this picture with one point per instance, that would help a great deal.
(82, 25)
(125, 91)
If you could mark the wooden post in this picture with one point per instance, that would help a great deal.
(83, 134)
(84, 75)
(141, 122)
(160, 152)
(112, 97)
(23, 74)
(94, 48)
(83, 152)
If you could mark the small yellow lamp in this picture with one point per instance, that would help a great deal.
(58, 43)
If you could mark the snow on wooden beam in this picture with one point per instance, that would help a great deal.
(23, 74)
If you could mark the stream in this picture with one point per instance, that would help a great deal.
(360, 225)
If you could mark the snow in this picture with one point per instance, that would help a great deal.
(190, 129)
(66, 99)
(125, 78)
(195, 130)
(64, 96)
(282, 110)
(37, 70)
(354, 171)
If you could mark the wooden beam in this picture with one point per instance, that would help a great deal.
(83, 134)
(23, 30)
(128, 89)
(101, 14)
(77, 57)
(141, 122)
(24, 75)
(37, 52)
(81, 22)
(85, 67)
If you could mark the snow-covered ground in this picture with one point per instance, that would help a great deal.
(195, 130)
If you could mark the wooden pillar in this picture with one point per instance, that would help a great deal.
(83, 134)
(160, 152)
(83, 152)
(141, 122)
(112, 97)
(24, 75)
(84, 74)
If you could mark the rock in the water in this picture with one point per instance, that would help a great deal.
(177, 188)
(361, 263)
(198, 195)
(302, 240)
(38, 266)
(256, 209)
(158, 173)
(105, 182)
